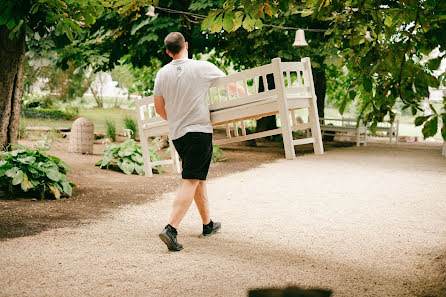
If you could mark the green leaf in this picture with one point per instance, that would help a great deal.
(27, 160)
(127, 166)
(12, 172)
(420, 120)
(249, 23)
(53, 175)
(26, 184)
(18, 178)
(443, 130)
(65, 166)
(228, 23)
(67, 188)
(11, 24)
(139, 169)
(3, 163)
(137, 158)
(430, 127)
(367, 84)
(55, 191)
(34, 8)
(238, 20)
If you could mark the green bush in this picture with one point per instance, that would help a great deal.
(128, 157)
(131, 124)
(72, 111)
(216, 154)
(33, 170)
(37, 101)
(111, 130)
(39, 113)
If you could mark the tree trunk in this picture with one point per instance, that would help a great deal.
(320, 87)
(12, 57)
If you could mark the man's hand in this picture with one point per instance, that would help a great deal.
(160, 106)
(233, 90)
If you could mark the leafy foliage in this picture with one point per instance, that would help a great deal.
(217, 153)
(34, 170)
(43, 16)
(128, 157)
(131, 124)
(111, 130)
(386, 46)
(53, 114)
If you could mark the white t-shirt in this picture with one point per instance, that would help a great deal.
(184, 83)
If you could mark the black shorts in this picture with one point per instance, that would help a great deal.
(195, 149)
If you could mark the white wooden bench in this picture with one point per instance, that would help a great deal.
(391, 129)
(294, 89)
(347, 126)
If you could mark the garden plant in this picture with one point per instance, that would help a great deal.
(32, 170)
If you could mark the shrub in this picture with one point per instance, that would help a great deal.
(111, 130)
(216, 153)
(34, 170)
(22, 130)
(37, 101)
(130, 123)
(39, 113)
(127, 156)
(72, 111)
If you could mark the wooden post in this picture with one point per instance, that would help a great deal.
(175, 157)
(312, 110)
(283, 110)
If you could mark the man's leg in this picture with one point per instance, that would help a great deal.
(183, 201)
(202, 202)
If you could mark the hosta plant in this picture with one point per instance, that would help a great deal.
(32, 170)
(127, 156)
(217, 154)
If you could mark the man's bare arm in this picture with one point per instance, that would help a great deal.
(233, 90)
(160, 106)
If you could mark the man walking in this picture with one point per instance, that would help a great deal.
(180, 97)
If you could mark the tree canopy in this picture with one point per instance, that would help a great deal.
(385, 45)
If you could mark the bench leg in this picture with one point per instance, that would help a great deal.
(146, 155)
(174, 156)
(287, 136)
(313, 118)
(358, 137)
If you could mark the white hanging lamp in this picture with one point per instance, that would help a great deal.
(300, 38)
(151, 11)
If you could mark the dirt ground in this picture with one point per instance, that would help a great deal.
(100, 191)
(366, 221)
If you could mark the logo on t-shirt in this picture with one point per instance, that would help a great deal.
(179, 69)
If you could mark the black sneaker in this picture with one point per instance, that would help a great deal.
(211, 228)
(169, 237)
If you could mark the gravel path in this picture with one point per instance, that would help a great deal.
(359, 221)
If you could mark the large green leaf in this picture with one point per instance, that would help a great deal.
(18, 178)
(420, 120)
(27, 160)
(126, 166)
(228, 23)
(139, 169)
(430, 127)
(137, 158)
(55, 191)
(12, 172)
(67, 188)
(54, 175)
